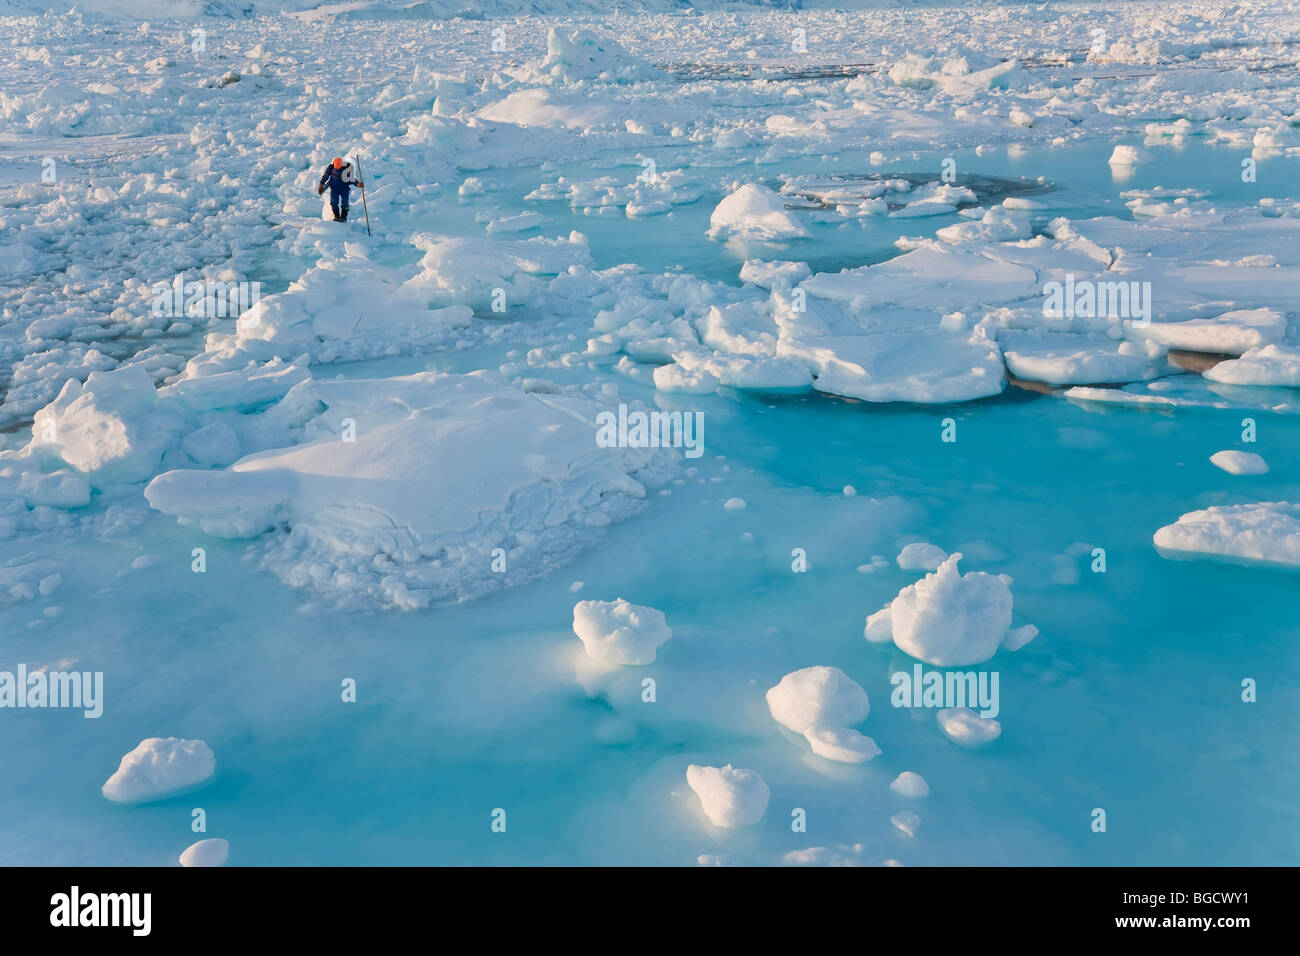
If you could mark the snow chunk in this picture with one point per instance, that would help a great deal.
(755, 212)
(618, 632)
(107, 429)
(964, 726)
(1268, 532)
(910, 785)
(211, 852)
(842, 744)
(159, 767)
(817, 697)
(951, 619)
(906, 821)
(768, 275)
(692, 381)
(1124, 156)
(879, 628)
(1240, 462)
(730, 798)
(920, 556)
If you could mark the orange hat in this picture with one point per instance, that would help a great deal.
(338, 162)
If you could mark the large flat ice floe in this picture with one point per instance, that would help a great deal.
(1264, 533)
(423, 489)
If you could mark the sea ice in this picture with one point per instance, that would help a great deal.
(159, 767)
(210, 852)
(964, 726)
(842, 744)
(1268, 532)
(910, 785)
(617, 632)
(755, 212)
(951, 619)
(730, 797)
(817, 697)
(921, 556)
(1240, 462)
(518, 481)
(1267, 365)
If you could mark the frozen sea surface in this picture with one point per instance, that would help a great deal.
(1130, 698)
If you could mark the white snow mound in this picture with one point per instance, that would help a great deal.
(817, 697)
(1239, 462)
(730, 797)
(951, 619)
(618, 632)
(211, 852)
(757, 213)
(159, 767)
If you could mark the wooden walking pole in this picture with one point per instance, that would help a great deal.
(357, 157)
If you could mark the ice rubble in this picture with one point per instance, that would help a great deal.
(822, 704)
(618, 632)
(730, 797)
(252, 390)
(577, 56)
(159, 767)
(650, 193)
(1265, 533)
(950, 619)
(368, 519)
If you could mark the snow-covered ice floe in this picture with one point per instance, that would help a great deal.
(1265, 533)
(406, 489)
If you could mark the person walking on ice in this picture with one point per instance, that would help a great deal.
(340, 179)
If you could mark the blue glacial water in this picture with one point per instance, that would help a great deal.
(1129, 699)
